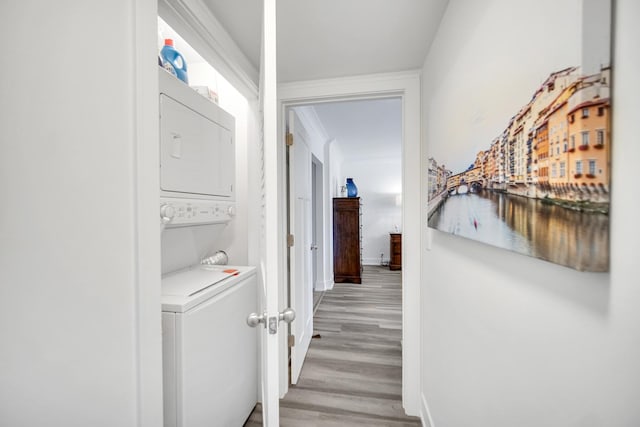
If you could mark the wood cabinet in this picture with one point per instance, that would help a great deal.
(395, 251)
(347, 264)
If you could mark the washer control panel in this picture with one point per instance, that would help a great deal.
(175, 212)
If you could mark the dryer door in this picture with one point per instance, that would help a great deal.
(196, 154)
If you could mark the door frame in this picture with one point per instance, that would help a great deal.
(405, 85)
(317, 193)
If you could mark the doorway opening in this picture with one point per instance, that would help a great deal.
(326, 175)
(358, 139)
(405, 86)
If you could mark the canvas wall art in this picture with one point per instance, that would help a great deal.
(537, 179)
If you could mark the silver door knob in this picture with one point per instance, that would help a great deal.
(287, 315)
(254, 319)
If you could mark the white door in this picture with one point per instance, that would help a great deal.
(300, 225)
(269, 244)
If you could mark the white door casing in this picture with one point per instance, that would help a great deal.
(407, 86)
(317, 227)
(300, 223)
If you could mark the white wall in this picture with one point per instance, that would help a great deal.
(79, 241)
(509, 340)
(336, 158)
(379, 182)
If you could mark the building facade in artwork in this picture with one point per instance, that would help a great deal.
(557, 146)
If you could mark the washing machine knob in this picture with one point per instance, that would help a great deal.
(167, 212)
(231, 211)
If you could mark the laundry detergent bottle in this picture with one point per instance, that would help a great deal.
(171, 57)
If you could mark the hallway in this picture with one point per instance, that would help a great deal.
(353, 372)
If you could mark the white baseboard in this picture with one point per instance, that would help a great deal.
(325, 285)
(375, 261)
(425, 414)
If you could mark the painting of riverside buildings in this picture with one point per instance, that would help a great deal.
(541, 186)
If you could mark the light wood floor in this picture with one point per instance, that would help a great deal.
(352, 373)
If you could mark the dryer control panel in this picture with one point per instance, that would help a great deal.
(175, 212)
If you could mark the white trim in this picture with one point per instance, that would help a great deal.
(319, 223)
(375, 262)
(193, 20)
(145, 193)
(327, 90)
(324, 285)
(283, 291)
(309, 118)
(425, 414)
(272, 270)
(407, 86)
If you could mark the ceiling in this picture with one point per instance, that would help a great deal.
(365, 128)
(338, 38)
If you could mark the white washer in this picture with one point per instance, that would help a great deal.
(210, 357)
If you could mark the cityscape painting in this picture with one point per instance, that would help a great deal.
(540, 184)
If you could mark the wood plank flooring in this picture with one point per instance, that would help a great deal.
(352, 375)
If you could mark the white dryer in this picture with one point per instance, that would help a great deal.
(210, 357)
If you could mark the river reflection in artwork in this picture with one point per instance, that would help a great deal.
(575, 239)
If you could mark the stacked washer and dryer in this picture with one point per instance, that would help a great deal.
(210, 357)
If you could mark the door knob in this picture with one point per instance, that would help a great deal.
(287, 315)
(254, 319)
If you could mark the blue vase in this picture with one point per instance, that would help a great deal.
(352, 190)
